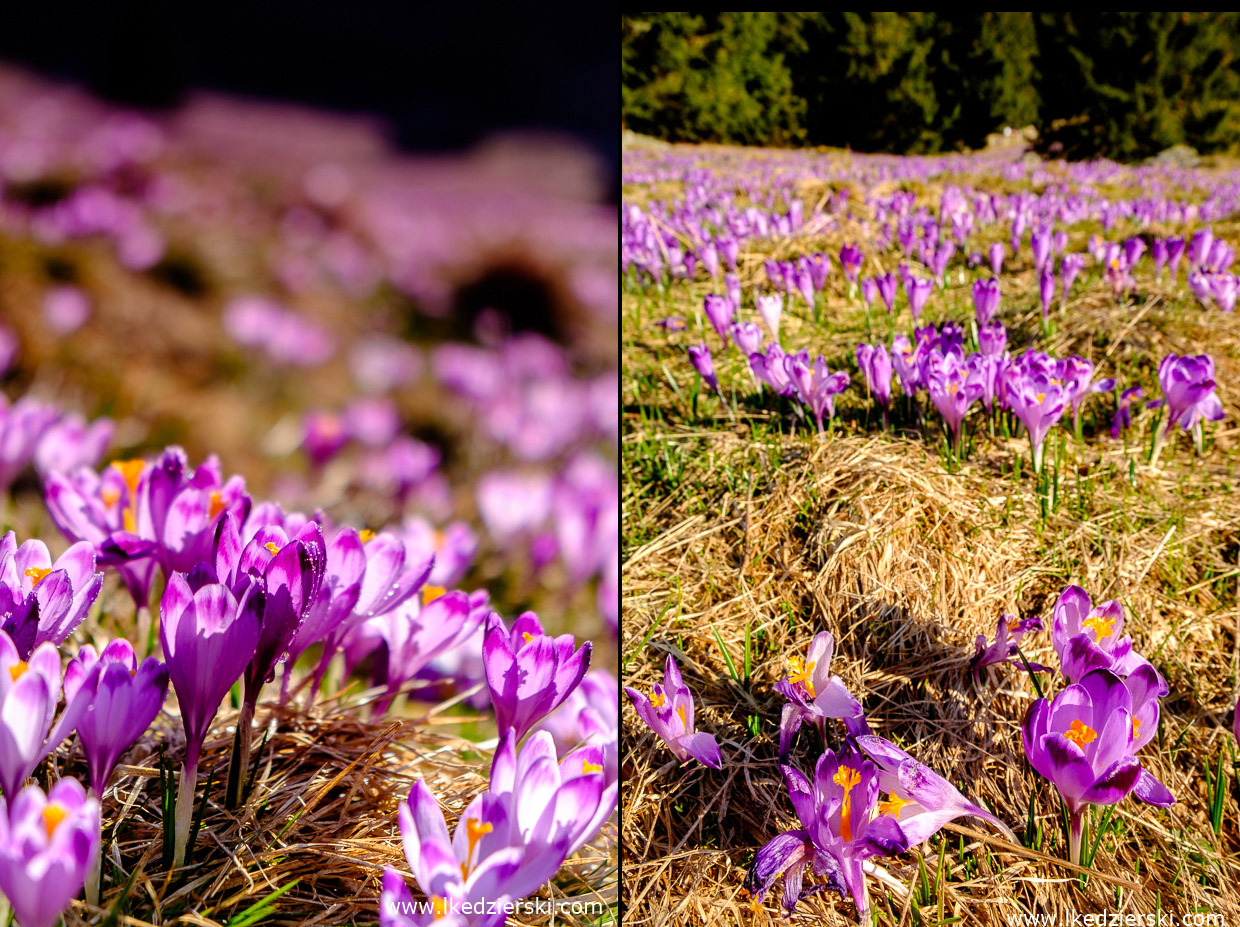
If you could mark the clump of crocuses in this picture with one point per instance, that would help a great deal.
(668, 710)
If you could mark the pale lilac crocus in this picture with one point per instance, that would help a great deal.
(529, 674)
(869, 289)
(71, 443)
(1046, 288)
(816, 385)
(815, 694)
(49, 844)
(918, 291)
(1038, 401)
(1223, 290)
(906, 359)
(1158, 251)
(747, 335)
(1083, 743)
(886, 284)
(65, 309)
(704, 364)
(668, 711)
(948, 384)
(1070, 265)
(996, 258)
(770, 309)
(992, 339)
(769, 368)
(41, 600)
(875, 364)
(1123, 410)
(127, 700)
(985, 300)
(1076, 374)
(1008, 635)
(22, 426)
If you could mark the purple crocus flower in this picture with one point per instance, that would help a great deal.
(1200, 283)
(71, 443)
(208, 639)
(985, 300)
(948, 383)
(1076, 375)
(886, 284)
(1070, 265)
(1040, 245)
(875, 364)
(816, 386)
(1235, 724)
(1083, 743)
(1088, 638)
(1188, 392)
(1133, 249)
(729, 248)
(841, 828)
(1038, 401)
(1007, 639)
(1159, 253)
(323, 436)
(48, 846)
(814, 694)
(704, 364)
(869, 289)
(996, 258)
(708, 254)
(984, 371)
(747, 335)
(770, 309)
(1046, 288)
(1223, 289)
(921, 801)
(529, 673)
(42, 601)
(23, 425)
(1123, 410)
(918, 291)
(906, 358)
(769, 368)
(127, 700)
(851, 259)
(1175, 252)
(991, 339)
(719, 311)
(668, 711)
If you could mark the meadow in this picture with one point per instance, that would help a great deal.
(767, 499)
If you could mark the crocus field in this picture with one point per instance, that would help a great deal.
(309, 561)
(930, 548)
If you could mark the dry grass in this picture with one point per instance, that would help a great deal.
(735, 527)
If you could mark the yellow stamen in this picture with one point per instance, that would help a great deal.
(37, 574)
(272, 546)
(365, 535)
(1081, 734)
(131, 470)
(847, 778)
(587, 767)
(53, 814)
(1041, 396)
(800, 671)
(1102, 627)
(217, 505)
(681, 711)
(110, 495)
(440, 904)
(474, 831)
(893, 805)
(17, 669)
(527, 635)
(658, 699)
(431, 593)
(131, 523)
(1136, 726)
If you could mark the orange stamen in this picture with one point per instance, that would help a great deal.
(1102, 627)
(658, 699)
(272, 546)
(800, 671)
(681, 711)
(893, 805)
(131, 470)
(37, 574)
(17, 669)
(53, 814)
(431, 593)
(365, 535)
(1081, 734)
(587, 767)
(131, 523)
(846, 777)
(217, 505)
(1136, 726)
(110, 495)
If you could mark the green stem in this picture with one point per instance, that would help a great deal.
(185, 806)
(241, 749)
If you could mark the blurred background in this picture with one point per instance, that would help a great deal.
(1121, 85)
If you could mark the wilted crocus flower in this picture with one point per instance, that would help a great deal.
(991, 339)
(842, 825)
(668, 711)
(127, 700)
(1007, 639)
(1188, 392)
(1069, 266)
(208, 638)
(42, 601)
(1123, 411)
(1083, 742)
(875, 364)
(948, 383)
(770, 309)
(1038, 401)
(719, 312)
(529, 673)
(985, 300)
(814, 694)
(918, 291)
(704, 364)
(921, 800)
(816, 386)
(1088, 638)
(48, 845)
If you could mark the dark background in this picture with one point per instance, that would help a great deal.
(444, 76)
